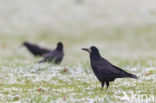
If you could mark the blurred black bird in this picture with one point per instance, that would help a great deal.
(103, 69)
(54, 56)
(35, 49)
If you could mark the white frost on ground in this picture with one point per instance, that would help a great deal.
(40, 73)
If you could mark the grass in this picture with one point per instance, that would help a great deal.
(131, 48)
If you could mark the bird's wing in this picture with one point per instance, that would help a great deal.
(105, 67)
(42, 50)
(48, 57)
(35, 49)
(60, 55)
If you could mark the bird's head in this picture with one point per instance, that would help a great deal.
(59, 46)
(92, 50)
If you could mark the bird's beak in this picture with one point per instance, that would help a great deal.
(86, 49)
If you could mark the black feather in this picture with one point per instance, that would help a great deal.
(35, 49)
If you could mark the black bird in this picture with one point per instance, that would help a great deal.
(103, 69)
(55, 56)
(35, 49)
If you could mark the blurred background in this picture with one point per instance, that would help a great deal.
(121, 29)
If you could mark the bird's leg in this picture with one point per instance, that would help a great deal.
(102, 84)
(107, 83)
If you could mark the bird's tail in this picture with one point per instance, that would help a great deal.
(126, 74)
(132, 76)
